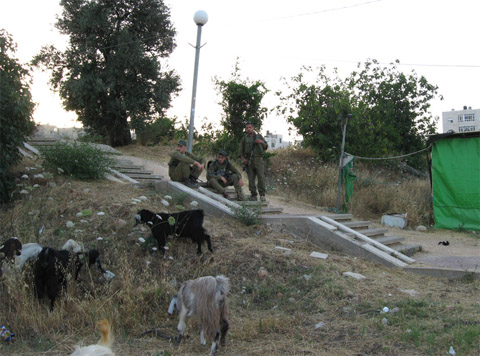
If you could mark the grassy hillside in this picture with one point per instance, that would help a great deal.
(304, 306)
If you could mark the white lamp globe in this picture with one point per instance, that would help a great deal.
(200, 17)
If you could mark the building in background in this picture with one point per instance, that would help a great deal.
(276, 141)
(464, 120)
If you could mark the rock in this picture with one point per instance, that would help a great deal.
(319, 325)
(354, 275)
(421, 228)
(69, 224)
(385, 321)
(307, 277)
(121, 223)
(262, 273)
(319, 255)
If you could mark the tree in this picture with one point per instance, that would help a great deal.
(16, 109)
(241, 102)
(110, 74)
(390, 110)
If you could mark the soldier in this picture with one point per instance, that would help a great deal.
(252, 150)
(221, 173)
(184, 167)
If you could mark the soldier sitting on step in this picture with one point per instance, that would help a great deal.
(221, 173)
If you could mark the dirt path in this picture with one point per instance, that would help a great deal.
(462, 252)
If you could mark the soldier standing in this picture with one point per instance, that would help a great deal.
(252, 151)
(221, 173)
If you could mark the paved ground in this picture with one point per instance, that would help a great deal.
(462, 252)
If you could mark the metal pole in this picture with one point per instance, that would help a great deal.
(194, 90)
(341, 162)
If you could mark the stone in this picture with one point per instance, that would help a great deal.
(354, 275)
(421, 228)
(319, 255)
(262, 273)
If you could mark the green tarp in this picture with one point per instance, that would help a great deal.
(456, 183)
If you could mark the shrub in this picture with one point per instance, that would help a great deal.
(248, 215)
(77, 160)
(160, 130)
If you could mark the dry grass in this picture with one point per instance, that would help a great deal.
(299, 173)
(272, 316)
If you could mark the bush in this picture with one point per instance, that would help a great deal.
(248, 215)
(77, 160)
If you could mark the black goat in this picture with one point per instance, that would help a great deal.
(187, 223)
(8, 251)
(52, 266)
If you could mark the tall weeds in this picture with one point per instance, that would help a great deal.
(300, 174)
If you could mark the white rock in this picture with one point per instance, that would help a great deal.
(282, 248)
(421, 228)
(164, 202)
(385, 321)
(141, 239)
(99, 238)
(320, 255)
(79, 214)
(36, 186)
(411, 292)
(307, 277)
(69, 224)
(23, 191)
(385, 309)
(452, 351)
(100, 213)
(25, 176)
(143, 197)
(38, 176)
(194, 203)
(354, 275)
(319, 325)
(154, 249)
(168, 197)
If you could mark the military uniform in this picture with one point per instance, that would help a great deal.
(181, 168)
(254, 152)
(216, 170)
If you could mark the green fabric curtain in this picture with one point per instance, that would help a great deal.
(456, 183)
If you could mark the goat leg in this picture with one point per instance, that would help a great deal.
(223, 331)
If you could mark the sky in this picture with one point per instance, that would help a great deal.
(273, 39)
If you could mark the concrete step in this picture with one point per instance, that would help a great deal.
(357, 224)
(133, 171)
(144, 176)
(272, 210)
(370, 232)
(340, 217)
(408, 250)
(390, 240)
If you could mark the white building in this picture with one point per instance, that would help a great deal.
(464, 120)
(275, 141)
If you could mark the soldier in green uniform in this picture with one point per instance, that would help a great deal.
(221, 173)
(252, 150)
(184, 167)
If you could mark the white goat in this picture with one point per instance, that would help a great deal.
(30, 251)
(206, 299)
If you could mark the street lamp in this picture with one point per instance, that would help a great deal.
(200, 19)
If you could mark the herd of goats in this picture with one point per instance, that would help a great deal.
(204, 297)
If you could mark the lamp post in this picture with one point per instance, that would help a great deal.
(200, 18)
